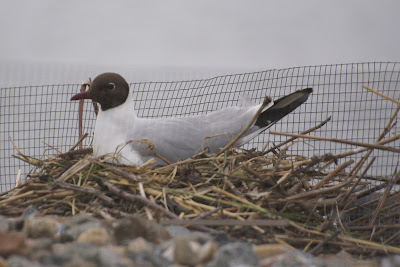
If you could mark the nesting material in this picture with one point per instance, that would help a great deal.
(321, 204)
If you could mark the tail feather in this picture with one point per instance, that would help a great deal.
(282, 107)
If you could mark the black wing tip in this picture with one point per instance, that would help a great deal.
(308, 90)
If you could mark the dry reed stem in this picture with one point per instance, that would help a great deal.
(294, 138)
(332, 174)
(358, 179)
(386, 193)
(382, 95)
(76, 168)
(354, 241)
(370, 146)
(81, 103)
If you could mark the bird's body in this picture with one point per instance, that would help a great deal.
(120, 132)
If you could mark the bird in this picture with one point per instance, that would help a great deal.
(133, 140)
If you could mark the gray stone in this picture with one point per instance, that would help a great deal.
(148, 259)
(39, 248)
(5, 224)
(80, 219)
(294, 258)
(234, 255)
(193, 248)
(135, 226)
(42, 227)
(97, 236)
(18, 261)
(74, 252)
(74, 230)
(176, 230)
(390, 261)
(108, 259)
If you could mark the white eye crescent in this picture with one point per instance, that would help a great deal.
(112, 85)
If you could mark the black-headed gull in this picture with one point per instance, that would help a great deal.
(120, 132)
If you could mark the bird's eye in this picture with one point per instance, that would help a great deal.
(111, 86)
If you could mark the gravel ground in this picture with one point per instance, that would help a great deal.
(83, 240)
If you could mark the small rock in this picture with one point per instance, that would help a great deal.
(42, 227)
(97, 236)
(140, 244)
(148, 259)
(268, 250)
(3, 262)
(73, 231)
(38, 248)
(176, 230)
(4, 224)
(71, 252)
(18, 261)
(133, 227)
(11, 243)
(221, 238)
(81, 218)
(345, 259)
(390, 261)
(29, 213)
(294, 257)
(80, 263)
(234, 254)
(107, 258)
(193, 249)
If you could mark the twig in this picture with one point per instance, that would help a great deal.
(316, 192)
(79, 142)
(135, 198)
(382, 95)
(207, 213)
(87, 190)
(315, 251)
(371, 146)
(294, 138)
(227, 222)
(118, 171)
(81, 103)
(384, 197)
(79, 166)
(332, 174)
(369, 244)
(73, 153)
(358, 180)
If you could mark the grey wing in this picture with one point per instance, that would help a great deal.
(182, 137)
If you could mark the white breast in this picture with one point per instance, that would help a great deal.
(111, 134)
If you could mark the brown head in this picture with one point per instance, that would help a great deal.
(108, 89)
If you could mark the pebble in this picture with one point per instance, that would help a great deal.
(97, 236)
(237, 254)
(84, 240)
(42, 227)
(134, 226)
(268, 250)
(140, 244)
(193, 248)
(11, 244)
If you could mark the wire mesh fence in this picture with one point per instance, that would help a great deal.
(42, 121)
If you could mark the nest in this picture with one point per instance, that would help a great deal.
(314, 204)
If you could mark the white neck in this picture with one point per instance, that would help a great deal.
(112, 126)
(123, 112)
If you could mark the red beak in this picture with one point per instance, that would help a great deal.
(83, 95)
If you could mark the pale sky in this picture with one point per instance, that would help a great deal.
(228, 34)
